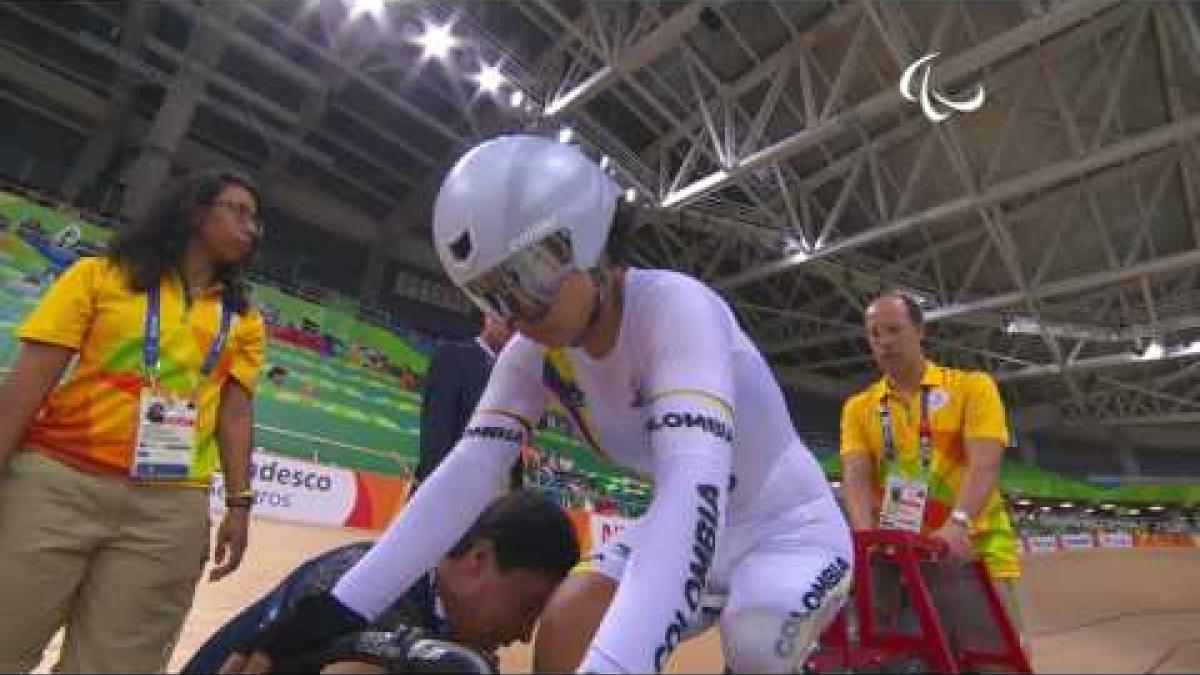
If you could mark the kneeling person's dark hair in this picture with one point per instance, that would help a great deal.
(528, 531)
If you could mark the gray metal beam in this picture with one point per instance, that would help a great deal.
(282, 193)
(952, 72)
(1077, 284)
(173, 119)
(102, 146)
(665, 36)
(814, 383)
(242, 116)
(1152, 420)
(1036, 181)
(1093, 363)
(239, 39)
(375, 87)
(839, 16)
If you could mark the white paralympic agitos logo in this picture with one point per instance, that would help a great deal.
(928, 95)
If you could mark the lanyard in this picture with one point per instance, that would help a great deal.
(924, 430)
(153, 335)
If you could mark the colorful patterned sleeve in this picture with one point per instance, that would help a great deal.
(984, 414)
(63, 315)
(249, 350)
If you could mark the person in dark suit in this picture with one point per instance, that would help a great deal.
(454, 383)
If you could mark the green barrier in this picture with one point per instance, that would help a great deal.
(1154, 494)
(341, 323)
(1030, 481)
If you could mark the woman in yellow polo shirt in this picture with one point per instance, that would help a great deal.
(103, 506)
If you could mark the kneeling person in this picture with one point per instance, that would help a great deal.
(485, 593)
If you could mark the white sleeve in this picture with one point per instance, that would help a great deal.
(687, 360)
(454, 495)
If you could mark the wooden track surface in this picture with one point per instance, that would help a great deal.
(1102, 611)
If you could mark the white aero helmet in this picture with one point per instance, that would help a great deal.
(515, 215)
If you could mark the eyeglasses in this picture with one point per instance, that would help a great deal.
(244, 213)
(524, 286)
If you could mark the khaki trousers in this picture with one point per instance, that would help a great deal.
(115, 563)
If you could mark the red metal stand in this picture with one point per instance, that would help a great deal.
(874, 645)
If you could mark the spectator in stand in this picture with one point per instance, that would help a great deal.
(454, 383)
(408, 379)
(277, 375)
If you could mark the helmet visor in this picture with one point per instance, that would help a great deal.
(524, 285)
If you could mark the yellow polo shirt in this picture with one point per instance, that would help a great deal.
(963, 405)
(90, 420)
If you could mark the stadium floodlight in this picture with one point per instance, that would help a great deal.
(372, 7)
(565, 135)
(1153, 352)
(489, 79)
(516, 98)
(437, 41)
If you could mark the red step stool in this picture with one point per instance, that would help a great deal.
(873, 645)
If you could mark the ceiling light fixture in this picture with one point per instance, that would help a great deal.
(437, 41)
(489, 79)
(372, 7)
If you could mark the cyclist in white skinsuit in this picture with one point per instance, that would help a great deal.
(677, 392)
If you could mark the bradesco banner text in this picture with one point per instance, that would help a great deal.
(296, 491)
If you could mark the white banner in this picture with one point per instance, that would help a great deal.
(1042, 544)
(605, 528)
(294, 490)
(1116, 540)
(1077, 541)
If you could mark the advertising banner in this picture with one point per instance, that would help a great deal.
(1043, 544)
(1077, 541)
(1115, 540)
(297, 491)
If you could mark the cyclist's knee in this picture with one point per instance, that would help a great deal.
(758, 640)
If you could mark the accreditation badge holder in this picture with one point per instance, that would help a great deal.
(903, 504)
(166, 437)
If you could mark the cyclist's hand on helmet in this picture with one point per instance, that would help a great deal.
(313, 623)
(405, 650)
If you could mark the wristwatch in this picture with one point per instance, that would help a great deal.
(959, 516)
(240, 500)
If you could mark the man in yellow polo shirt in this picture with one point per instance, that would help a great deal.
(921, 450)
